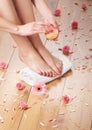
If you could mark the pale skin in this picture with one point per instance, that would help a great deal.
(21, 24)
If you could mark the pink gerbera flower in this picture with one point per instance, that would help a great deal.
(23, 105)
(39, 88)
(3, 65)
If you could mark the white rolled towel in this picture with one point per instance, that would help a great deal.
(31, 77)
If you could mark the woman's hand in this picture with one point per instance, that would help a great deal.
(32, 28)
(51, 21)
(53, 28)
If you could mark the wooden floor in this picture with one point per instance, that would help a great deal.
(77, 115)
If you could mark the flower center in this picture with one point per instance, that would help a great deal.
(39, 89)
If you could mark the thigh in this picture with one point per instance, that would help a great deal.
(24, 9)
(8, 11)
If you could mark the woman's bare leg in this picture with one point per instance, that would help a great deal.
(26, 51)
(24, 10)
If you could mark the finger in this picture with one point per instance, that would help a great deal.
(37, 31)
(39, 28)
(41, 24)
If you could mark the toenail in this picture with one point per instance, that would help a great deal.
(54, 75)
(41, 73)
(58, 73)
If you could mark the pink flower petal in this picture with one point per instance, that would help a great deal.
(66, 99)
(3, 65)
(52, 120)
(20, 86)
(42, 124)
(39, 88)
(90, 49)
(23, 105)
(51, 99)
(54, 126)
(1, 119)
(57, 12)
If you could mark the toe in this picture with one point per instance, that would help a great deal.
(59, 66)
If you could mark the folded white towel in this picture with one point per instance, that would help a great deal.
(31, 77)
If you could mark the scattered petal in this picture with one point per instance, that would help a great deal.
(42, 124)
(46, 95)
(76, 3)
(39, 88)
(44, 103)
(23, 105)
(51, 99)
(84, 67)
(90, 49)
(4, 100)
(75, 96)
(52, 120)
(14, 46)
(34, 103)
(72, 111)
(20, 86)
(75, 44)
(3, 65)
(14, 109)
(86, 57)
(60, 49)
(69, 13)
(12, 118)
(57, 12)
(1, 119)
(66, 99)
(90, 30)
(86, 104)
(2, 79)
(6, 109)
(18, 71)
(54, 126)
(74, 25)
(61, 113)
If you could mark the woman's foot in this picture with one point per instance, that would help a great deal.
(34, 61)
(52, 61)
